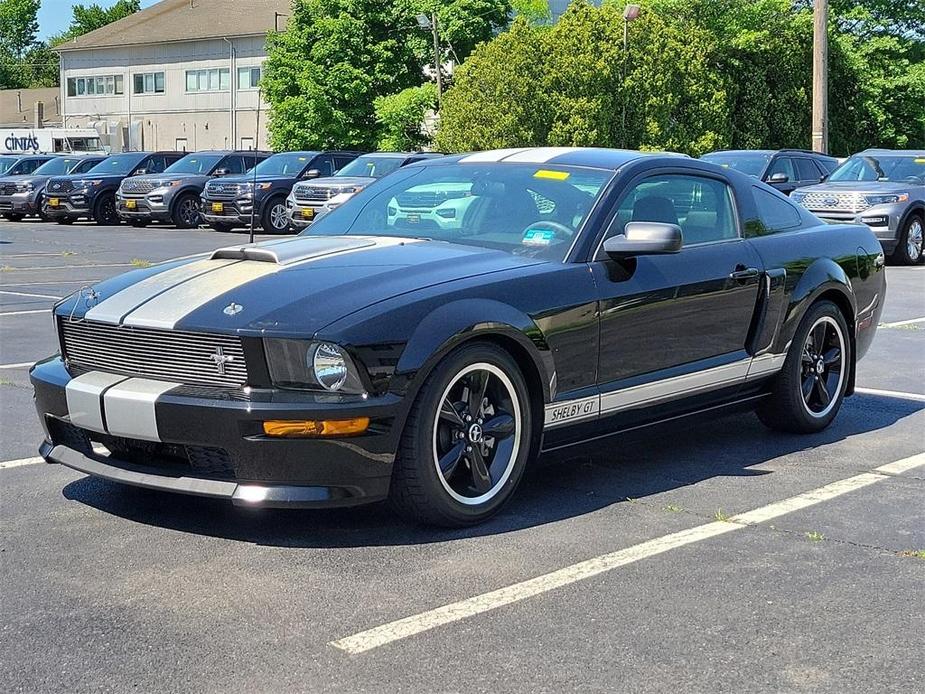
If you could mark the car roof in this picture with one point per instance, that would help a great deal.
(229, 151)
(896, 152)
(596, 157)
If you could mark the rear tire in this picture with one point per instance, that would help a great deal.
(450, 470)
(275, 217)
(104, 213)
(911, 247)
(809, 390)
(186, 212)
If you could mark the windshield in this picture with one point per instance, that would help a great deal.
(751, 163)
(882, 167)
(118, 164)
(194, 164)
(288, 164)
(518, 208)
(6, 163)
(372, 167)
(58, 166)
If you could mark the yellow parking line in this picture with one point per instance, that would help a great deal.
(416, 624)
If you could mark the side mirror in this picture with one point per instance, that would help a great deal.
(221, 172)
(312, 173)
(644, 238)
(778, 177)
(139, 172)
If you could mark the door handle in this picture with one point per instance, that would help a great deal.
(742, 273)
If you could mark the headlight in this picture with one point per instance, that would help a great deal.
(887, 199)
(797, 196)
(24, 187)
(313, 366)
(87, 183)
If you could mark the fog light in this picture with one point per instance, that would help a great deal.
(874, 221)
(301, 428)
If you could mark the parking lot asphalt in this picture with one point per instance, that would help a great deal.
(709, 556)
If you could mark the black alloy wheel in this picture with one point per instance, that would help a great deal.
(810, 388)
(104, 213)
(466, 441)
(186, 212)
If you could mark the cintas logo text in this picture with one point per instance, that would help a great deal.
(21, 144)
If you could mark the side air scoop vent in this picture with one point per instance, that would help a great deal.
(292, 250)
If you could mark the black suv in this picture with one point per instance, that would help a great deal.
(173, 196)
(784, 169)
(92, 195)
(262, 193)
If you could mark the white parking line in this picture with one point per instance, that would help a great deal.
(415, 624)
(49, 283)
(13, 268)
(902, 395)
(17, 366)
(900, 323)
(36, 296)
(26, 313)
(22, 461)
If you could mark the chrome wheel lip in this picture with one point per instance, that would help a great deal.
(518, 419)
(829, 320)
(914, 239)
(279, 220)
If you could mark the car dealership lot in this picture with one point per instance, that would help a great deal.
(108, 588)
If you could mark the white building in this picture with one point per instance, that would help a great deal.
(181, 74)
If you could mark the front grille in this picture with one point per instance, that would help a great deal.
(308, 194)
(222, 191)
(842, 202)
(422, 200)
(168, 355)
(7, 188)
(139, 186)
(59, 186)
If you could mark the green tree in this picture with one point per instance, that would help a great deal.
(18, 28)
(87, 18)
(336, 57)
(401, 117)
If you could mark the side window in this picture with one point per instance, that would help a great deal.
(172, 159)
(701, 206)
(325, 164)
(341, 161)
(782, 165)
(155, 164)
(807, 170)
(776, 213)
(232, 164)
(85, 166)
(250, 161)
(31, 165)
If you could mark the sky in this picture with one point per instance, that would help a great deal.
(55, 15)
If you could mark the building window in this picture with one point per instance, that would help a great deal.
(248, 77)
(98, 85)
(149, 83)
(213, 80)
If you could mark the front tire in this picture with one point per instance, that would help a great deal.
(275, 217)
(186, 212)
(911, 247)
(809, 390)
(104, 213)
(466, 442)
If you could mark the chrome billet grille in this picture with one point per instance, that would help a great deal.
(59, 186)
(139, 186)
(306, 194)
(414, 200)
(167, 355)
(841, 202)
(223, 191)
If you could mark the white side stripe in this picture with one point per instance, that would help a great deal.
(416, 624)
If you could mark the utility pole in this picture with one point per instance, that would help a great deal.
(821, 76)
(437, 60)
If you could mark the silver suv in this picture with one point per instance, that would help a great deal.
(882, 188)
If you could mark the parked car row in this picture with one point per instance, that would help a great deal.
(882, 188)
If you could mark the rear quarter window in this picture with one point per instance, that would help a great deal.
(775, 213)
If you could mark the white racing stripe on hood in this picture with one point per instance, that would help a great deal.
(169, 307)
(540, 155)
(492, 155)
(120, 304)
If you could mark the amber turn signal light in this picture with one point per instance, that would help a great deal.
(306, 427)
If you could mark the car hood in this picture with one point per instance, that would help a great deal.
(339, 182)
(194, 179)
(250, 179)
(858, 187)
(24, 178)
(292, 287)
(88, 176)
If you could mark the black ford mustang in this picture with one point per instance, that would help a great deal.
(428, 338)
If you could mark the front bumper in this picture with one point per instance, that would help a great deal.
(210, 442)
(70, 207)
(236, 212)
(883, 220)
(20, 203)
(142, 208)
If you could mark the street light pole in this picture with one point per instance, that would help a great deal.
(820, 133)
(630, 13)
(437, 61)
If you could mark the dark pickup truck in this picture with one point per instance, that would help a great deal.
(92, 195)
(261, 195)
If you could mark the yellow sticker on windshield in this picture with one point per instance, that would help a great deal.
(919, 160)
(554, 175)
(302, 158)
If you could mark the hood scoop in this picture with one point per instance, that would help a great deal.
(292, 250)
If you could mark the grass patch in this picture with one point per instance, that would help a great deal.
(67, 253)
(140, 262)
(721, 516)
(673, 508)
(916, 553)
(7, 268)
(4, 382)
(814, 536)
